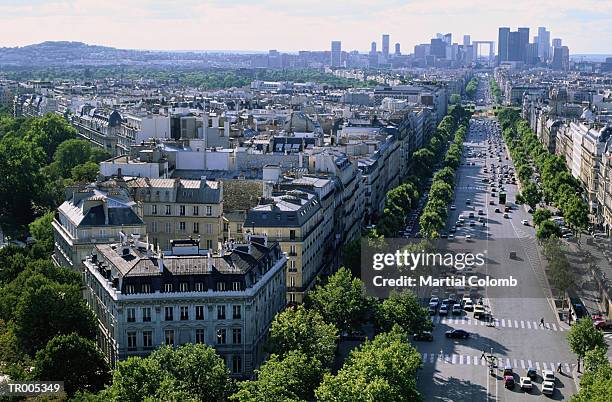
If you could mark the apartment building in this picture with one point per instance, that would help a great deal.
(144, 299)
(295, 220)
(91, 215)
(180, 209)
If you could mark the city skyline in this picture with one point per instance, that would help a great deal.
(215, 25)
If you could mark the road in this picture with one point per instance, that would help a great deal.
(453, 369)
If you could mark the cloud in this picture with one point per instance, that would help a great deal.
(297, 24)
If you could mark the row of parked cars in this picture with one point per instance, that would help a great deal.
(527, 381)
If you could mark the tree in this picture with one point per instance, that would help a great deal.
(430, 223)
(98, 155)
(561, 274)
(49, 310)
(541, 215)
(531, 195)
(42, 231)
(596, 382)
(441, 190)
(86, 172)
(192, 372)
(383, 369)
(583, 336)
(49, 132)
(548, 230)
(403, 308)
(446, 175)
(69, 154)
(198, 369)
(455, 99)
(76, 360)
(341, 301)
(303, 330)
(422, 161)
(576, 212)
(292, 378)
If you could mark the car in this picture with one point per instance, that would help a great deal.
(525, 222)
(506, 215)
(468, 237)
(481, 219)
(508, 370)
(434, 300)
(548, 375)
(453, 229)
(491, 202)
(472, 223)
(457, 310)
(548, 387)
(443, 310)
(423, 336)
(512, 255)
(471, 215)
(457, 334)
(525, 383)
(567, 236)
(453, 207)
(469, 306)
(480, 212)
(509, 381)
(602, 324)
(461, 217)
(459, 223)
(507, 209)
(532, 373)
(479, 311)
(432, 310)
(497, 210)
(468, 201)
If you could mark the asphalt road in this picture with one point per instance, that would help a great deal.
(453, 370)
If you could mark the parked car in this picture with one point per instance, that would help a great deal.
(479, 311)
(468, 306)
(548, 375)
(457, 310)
(532, 373)
(509, 381)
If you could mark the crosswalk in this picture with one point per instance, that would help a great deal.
(500, 323)
(478, 360)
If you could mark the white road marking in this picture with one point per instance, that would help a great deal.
(522, 364)
(528, 324)
(522, 324)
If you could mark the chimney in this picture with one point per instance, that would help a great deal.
(267, 189)
(160, 263)
(209, 260)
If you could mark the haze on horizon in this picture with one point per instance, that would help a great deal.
(586, 27)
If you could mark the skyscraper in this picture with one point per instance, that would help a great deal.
(502, 44)
(560, 58)
(438, 48)
(523, 41)
(467, 40)
(397, 49)
(336, 53)
(543, 44)
(514, 46)
(373, 48)
(448, 38)
(385, 46)
(556, 42)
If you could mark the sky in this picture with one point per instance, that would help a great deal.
(290, 25)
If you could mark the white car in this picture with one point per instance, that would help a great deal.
(506, 215)
(548, 375)
(548, 387)
(525, 383)
(468, 237)
(525, 222)
(468, 306)
(453, 207)
(434, 300)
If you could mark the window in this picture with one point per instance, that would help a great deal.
(239, 227)
(292, 266)
(146, 288)
(208, 210)
(209, 244)
(169, 337)
(168, 227)
(236, 336)
(182, 226)
(220, 286)
(131, 340)
(169, 316)
(196, 227)
(196, 210)
(225, 227)
(209, 228)
(236, 311)
(146, 314)
(199, 287)
(292, 297)
(131, 315)
(292, 234)
(199, 312)
(153, 209)
(168, 210)
(129, 289)
(154, 226)
(236, 286)
(184, 286)
(182, 210)
(147, 339)
(184, 313)
(220, 312)
(291, 281)
(221, 336)
(199, 336)
(236, 364)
